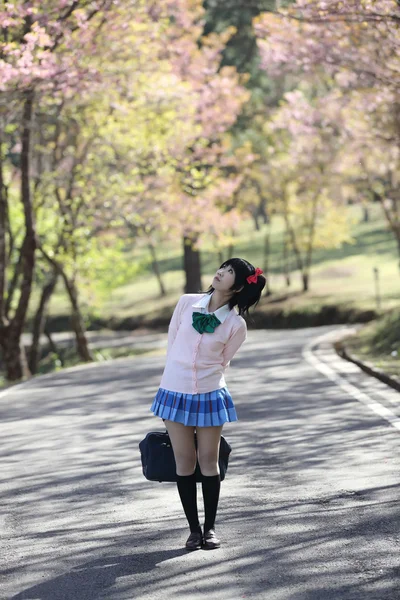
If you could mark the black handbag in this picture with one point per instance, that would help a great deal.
(158, 461)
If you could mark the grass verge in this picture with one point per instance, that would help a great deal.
(378, 343)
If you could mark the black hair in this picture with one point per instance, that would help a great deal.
(251, 292)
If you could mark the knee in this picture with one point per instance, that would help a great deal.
(185, 463)
(208, 463)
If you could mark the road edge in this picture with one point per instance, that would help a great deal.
(338, 379)
(365, 366)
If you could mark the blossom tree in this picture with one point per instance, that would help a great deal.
(38, 42)
(134, 136)
(305, 145)
(179, 187)
(352, 40)
(355, 45)
(218, 97)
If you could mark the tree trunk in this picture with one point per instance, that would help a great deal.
(76, 317)
(297, 253)
(267, 252)
(397, 234)
(53, 347)
(391, 212)
(13, 284)
(11, 329)
(3, 245)
(310, 248)
(77, 323)
(263, 212)
(192, 267)
(286, 259)
(255, 219)
(39, 322)
(365, 209)
(156, 269)
(29, 245)
(14, 356)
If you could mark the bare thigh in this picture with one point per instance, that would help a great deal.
(182, 440)
(208, 441)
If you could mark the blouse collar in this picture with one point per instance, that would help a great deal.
(221, 313)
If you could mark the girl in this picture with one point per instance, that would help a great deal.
(204, 334)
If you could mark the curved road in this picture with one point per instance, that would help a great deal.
(309, 509)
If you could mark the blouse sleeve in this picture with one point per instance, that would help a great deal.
(174, 323)
(233, 344)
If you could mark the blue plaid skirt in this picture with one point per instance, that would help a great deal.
(201, 410)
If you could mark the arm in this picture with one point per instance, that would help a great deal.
(174, 323)
(233, 344)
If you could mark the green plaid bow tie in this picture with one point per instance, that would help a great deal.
(205, 323)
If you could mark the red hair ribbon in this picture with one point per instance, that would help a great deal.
(253, 278)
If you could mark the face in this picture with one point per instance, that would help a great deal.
(224, 279)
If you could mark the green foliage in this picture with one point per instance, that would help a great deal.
(241, 50)
(379, 343)
(110, 264)
(384, 335)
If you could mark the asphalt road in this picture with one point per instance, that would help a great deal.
(309, 509)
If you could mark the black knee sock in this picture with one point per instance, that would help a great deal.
(188, 493)
(211, 486)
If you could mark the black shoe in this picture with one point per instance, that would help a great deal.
(210, 540)
(194, 541)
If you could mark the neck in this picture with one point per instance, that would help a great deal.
(218, 299)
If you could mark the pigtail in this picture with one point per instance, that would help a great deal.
(250, 295)
(250, 279)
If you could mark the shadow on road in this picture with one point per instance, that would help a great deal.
(309, 509)
(94, 577)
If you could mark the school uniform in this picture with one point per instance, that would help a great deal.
(193, 389)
